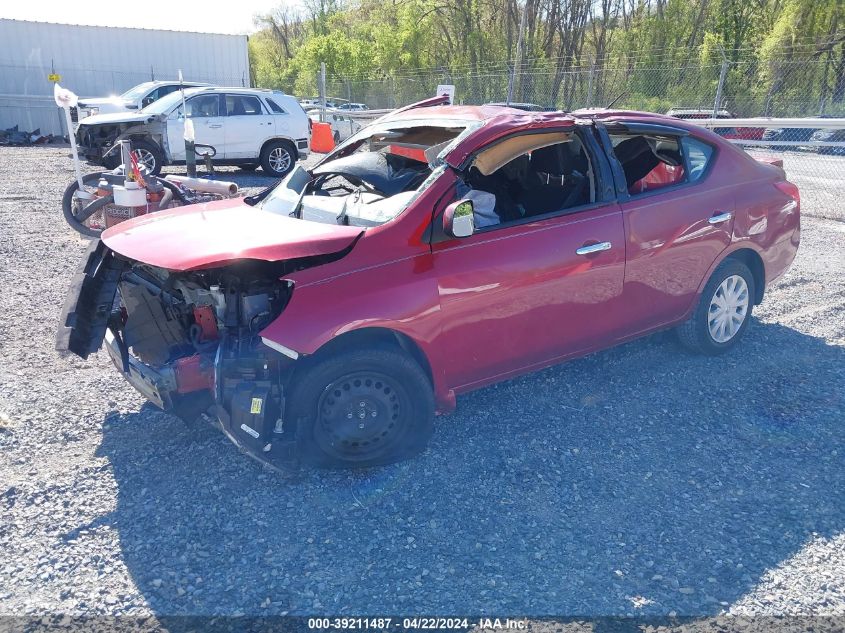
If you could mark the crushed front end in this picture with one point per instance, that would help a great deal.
(188, 341)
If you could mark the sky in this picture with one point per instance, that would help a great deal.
(188, 15)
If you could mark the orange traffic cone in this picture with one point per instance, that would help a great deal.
(322, 140)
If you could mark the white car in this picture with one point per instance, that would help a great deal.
(245, 126)
(135, 98)
(353, 107)
(342, 126)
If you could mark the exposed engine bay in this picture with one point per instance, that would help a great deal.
(189, 341)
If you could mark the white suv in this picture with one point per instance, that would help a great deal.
(245, 126)
(135, 98)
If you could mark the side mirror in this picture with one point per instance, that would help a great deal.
(458, 219)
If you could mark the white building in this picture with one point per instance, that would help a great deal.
(96, 61)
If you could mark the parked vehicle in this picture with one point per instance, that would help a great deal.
(248, 127)
(743, 133)
(790, 134)
(309, 103)
(353, 107)
(829, 136)
(342, 126)
(441, 249)
(135, 98)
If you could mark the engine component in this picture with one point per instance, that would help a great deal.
(193, 373)
(205, 318)
(151, 332)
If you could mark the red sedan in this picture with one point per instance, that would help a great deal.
(441, 249)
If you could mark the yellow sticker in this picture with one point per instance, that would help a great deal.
(54, 77)
(256, 406)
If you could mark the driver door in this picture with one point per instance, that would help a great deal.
(523, 293)
(204, 110)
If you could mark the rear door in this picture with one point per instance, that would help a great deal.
(677, 218)
(248, 125)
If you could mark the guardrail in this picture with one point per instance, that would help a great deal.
(768, 122)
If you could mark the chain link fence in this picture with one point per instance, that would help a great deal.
(781, 88)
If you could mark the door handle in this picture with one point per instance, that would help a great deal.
(720, 217)
(215, 125)
(593, 248)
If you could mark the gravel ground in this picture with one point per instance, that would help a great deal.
(640, 480)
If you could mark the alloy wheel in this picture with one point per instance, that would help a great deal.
(728, 309)
(145, 158)
(279, 159)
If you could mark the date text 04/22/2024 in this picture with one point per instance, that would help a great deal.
(416, 623)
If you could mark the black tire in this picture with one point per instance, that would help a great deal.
(248, 167)
(383, 387)
(152, 152)
(695, 333)
(112, 161)
(70, 211)
(273, 158)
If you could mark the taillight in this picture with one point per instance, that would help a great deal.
(789, 189)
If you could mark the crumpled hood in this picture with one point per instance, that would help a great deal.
(217, 233)
(118, 117)
(98, 101)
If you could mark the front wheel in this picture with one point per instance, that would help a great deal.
(362, 408)
(278, 158)
(723, 311)
(149, 155)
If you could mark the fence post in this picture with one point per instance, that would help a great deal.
(723, 73)
(322, 92)
(590, 82)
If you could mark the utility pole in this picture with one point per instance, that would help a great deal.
(723, 73)
(518, 61)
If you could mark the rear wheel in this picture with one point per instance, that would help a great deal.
(278, 158)
(723, 311)
(362, 408)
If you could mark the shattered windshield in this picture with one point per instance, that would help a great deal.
(388, 167)
(133, 94)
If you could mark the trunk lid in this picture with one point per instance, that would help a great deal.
(216, 233)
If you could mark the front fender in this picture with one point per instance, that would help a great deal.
(401, 296)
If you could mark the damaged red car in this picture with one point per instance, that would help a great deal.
(442, 248)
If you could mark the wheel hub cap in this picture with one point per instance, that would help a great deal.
(728, 309)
